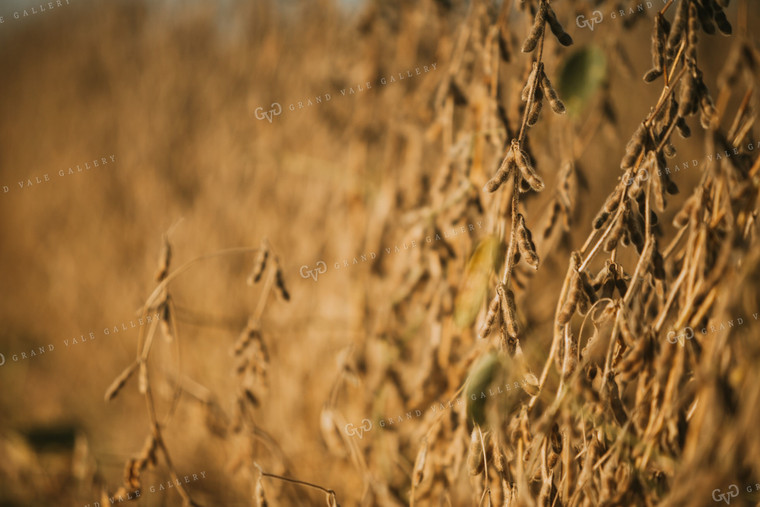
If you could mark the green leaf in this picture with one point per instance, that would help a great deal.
(488, 256)
(580, 77)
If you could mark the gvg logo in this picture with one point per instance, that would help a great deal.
(276, 110)
(582, 22)
(687, 334)
(733, 492)
(320, 269)
(352, 430)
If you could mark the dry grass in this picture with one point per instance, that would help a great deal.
(519, 305)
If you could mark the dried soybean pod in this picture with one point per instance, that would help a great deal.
(723, 25)
(634, 147)
(562, 36)
(615, 235)
(687, 100)
(705, 19)
(574, 294)
(683, 128)
(588, 287)
(502, 174)
(523, 163)
(164, 259)
(536, 106)
(537, 31)
(613, 396)
(684, 215)
(659, 264)
(475, 454)
(259, 263)
(555, 447)
(635, 223)
(679, 24)
(600, 220)
(652, 74)
(551, 94)
(419, 463)
(525, 243)
(613, 201)
(692, 38)
(280, 284)
(493, 310)
(508, 310)
(625, 331)
(120, 381)
(570, 357)
(658, 41)
(525, 95)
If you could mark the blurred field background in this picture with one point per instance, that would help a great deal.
(171, 89)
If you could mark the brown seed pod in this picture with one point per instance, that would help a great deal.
(692, 40)
(574, 294)
(613, 201)
(499, 460)
(280, 284)
(250, 333)
(614, 236)
(635, 227)
(526, 170)
(613, 398)
(475, 454)
(635, 360)
(680, 21)
(684, 215)
(688, 99)
(683, 128)
(705, 19)
(525, 243)
(570, 358)
(535, 108)
(562, 36)
(634, 147)
(166, 319)
(722, 21)
(508, 310)
(600, 219)
(652, 74)
(164, 259)
(625, 331)
(537, 31)
(419, 463)
(525, 95)
(658, 41)
(507, 165)
(493, 310)
(259, 263)
(120, 381)
(551, 94)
